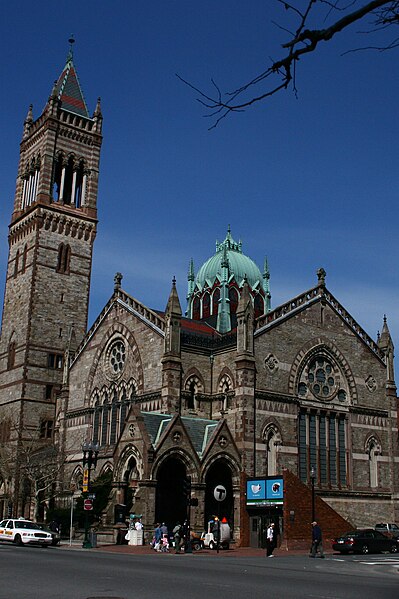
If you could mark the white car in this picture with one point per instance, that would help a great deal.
(24, 532)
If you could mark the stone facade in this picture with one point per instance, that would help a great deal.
(299, 392)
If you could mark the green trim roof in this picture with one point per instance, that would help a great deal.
(200, 430)
(240, 266)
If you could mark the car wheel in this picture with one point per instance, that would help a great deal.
(196, 545)
(394, 549)
(18, 540)
(365, 549)
(212, 545)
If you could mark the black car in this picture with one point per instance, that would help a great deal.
(365, 541)
(54, 533)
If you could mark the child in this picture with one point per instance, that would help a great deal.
(165, 544)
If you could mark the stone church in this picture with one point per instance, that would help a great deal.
(229, 391)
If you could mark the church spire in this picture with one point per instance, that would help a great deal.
(224, 320)
(266, 285)
(385, 343)
(68, 89)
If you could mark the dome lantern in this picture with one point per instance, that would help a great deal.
(216, 290)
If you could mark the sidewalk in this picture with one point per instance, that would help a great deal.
(147, 550)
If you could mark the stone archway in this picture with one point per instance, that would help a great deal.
(170, 503)
(219, 473)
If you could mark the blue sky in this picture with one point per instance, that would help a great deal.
(309, 181)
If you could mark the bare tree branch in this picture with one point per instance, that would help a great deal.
(384, 13)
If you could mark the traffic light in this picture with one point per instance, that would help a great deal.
(187, 487)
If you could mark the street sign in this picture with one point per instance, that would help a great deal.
(88, 504)
(220, 493)
(85, 480)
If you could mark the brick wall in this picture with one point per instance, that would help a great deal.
(298, 515)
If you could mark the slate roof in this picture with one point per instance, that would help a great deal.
(200, 430)
(69, 91)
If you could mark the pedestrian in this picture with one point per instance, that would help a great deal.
(317, 541)
(270, 540)
(177, 535)
(164, 529)
(164, 544)
(138, 524)
(157, 536)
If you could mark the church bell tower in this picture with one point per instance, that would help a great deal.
(51, 235)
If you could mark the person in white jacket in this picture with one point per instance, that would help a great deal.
(270, 540)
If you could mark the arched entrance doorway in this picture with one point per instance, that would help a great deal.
(219, 474)
(170, 503)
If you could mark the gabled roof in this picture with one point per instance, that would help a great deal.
(301, 302)
(68, 90)
(200, 430)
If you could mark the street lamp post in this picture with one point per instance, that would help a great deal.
(90, 453)
(312, 478)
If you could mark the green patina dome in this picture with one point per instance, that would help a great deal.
(240, 266)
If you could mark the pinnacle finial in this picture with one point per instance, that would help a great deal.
(71, 41)
(117, 281)
(174, 281)
(321, 276)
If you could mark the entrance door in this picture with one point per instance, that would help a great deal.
(259, 524)
(254, 523)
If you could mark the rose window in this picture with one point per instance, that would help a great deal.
(321, 377)
(117, 356)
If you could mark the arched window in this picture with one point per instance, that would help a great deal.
(273, 442)
(190, 401)
(193, 386)
(123, 412)
(215, 301)
(206, 305)
(64, 258)
(68, 180)
(78, 185)
(258, 305)
(11, 355)
(24, 258)
(96, 422)
(16, 264)
(233, 297)
(196, 308)
(104, 424)
(373, 450)
(114, 419)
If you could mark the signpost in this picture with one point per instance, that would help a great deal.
(87, 504)
(219, 494)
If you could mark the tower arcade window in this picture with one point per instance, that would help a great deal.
(69, 181)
